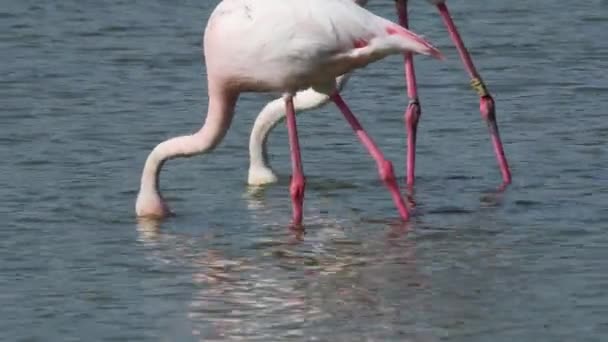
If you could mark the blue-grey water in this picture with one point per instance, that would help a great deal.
(88, 88)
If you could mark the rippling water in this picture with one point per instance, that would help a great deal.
(88, 88)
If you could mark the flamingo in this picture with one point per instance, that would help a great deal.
(260, 171)
(283, 46)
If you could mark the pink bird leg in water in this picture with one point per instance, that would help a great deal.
(260, 171)
(330, 38)
(486, 102)
(296, 189)
(413, 111)
(385, 167)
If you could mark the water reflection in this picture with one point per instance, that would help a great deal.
(317, 288)
(260, 211)
(374, 279)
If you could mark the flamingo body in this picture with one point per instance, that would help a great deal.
(289, 45)
(276, 46)
(260, 171)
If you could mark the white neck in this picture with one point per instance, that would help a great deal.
(219, 115)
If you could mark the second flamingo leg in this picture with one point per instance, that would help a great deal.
(296, 188)
(486, 102)
(385, 167)
(413, 111)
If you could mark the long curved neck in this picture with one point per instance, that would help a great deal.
(268, 118)
(274, 112)
(219, 116)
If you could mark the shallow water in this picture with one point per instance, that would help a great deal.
(88, 88)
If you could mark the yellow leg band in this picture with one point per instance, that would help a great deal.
(479, 87)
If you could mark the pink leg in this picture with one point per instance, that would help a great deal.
(385, 167)
(486, 103)
(296, 189)
(412, 114)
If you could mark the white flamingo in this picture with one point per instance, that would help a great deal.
(260, 171)
(283, 46)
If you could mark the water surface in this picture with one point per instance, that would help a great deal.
(88, 88)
